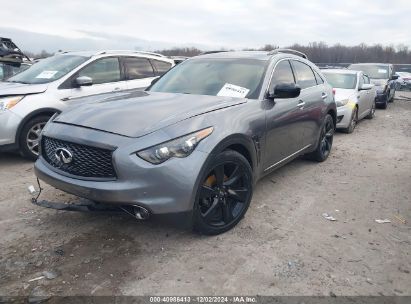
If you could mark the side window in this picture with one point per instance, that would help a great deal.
(304, 74)
(137, 68)
(103, 70)
(1, 71)
(161, 66)
(318, 78)
(282, 74)
(361, 82)
(366, 79)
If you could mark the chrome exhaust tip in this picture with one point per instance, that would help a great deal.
(141, 213)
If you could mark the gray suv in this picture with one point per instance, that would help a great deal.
(197, 140)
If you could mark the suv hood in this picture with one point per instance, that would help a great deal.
(15, 88)
(140, 113)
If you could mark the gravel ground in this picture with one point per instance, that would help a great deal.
(284, 246)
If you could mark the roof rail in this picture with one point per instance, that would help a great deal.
(289, 51)
(212, 52)
(130, 51)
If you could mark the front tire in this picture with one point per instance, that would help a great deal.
(371, 115)
(325, 142)
(29, 140)
(224, 193)
(353, 121)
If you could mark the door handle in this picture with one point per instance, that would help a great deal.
(324, 95)
(116, 89)
(301, 104)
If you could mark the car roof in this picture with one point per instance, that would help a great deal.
(261, 55)
(257, 55)
(340, 71)
(369, 63)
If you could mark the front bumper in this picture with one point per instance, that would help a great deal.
(381, 98)
(169, 187)
(9, 124)
(344, 114)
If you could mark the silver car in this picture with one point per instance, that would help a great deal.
(354, 96)
(30, 98)
(196, 141)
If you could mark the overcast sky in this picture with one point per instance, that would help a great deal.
(224, 23)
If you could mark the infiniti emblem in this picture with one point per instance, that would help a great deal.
(64, 155)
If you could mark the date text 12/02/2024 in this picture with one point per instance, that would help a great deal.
(203, 299)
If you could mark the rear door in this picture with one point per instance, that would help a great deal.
(313, 94)
(370, 94)
(284, 120)
(139, 72)
(160, 66)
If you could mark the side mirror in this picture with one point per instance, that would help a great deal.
(394, 77)
(84, 81)
(285, 90)
(366, 86)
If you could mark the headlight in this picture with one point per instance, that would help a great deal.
(179, 147)
(8, 102)
(341, 103)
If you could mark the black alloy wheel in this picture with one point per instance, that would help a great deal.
(325, 142)
(224, 193)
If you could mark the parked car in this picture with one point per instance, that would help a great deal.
(30, 98)
(404, 80)
(197, 140)
(354, 96)
(12, 59)
(382, 76)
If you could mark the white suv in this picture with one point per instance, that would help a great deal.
(30, 98)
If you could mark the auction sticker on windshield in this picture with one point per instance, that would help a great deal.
(382, 71)
(231, 90)
(46, 74)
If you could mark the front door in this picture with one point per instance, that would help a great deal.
(284, 126)
(106, 76)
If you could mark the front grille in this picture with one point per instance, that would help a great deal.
(86, 161)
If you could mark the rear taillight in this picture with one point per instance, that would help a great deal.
(334, 92)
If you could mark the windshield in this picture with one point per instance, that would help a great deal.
(377, 71)
(341, 81)
(216, 77)
(49, 69)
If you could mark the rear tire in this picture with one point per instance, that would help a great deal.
(224, 193)
(29, 137)
(325, 142)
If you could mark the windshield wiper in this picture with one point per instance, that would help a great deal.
(14, 81)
